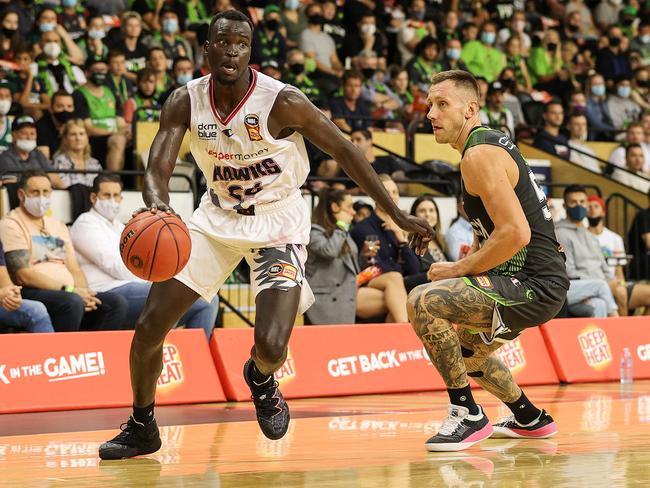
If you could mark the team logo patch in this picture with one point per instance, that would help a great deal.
(284, 270)
(483, 281)
(252, 123)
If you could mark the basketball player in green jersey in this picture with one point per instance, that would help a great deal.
(514, 277)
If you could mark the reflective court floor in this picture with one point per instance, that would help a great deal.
(365, 441)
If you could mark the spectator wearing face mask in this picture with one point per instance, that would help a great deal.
(96, 237)
(48, 127)
(586, 26)
(92, 44)
(297, 76)
(97, 106)
(641, 88)
(47, 22)
(641, 42)
(517, 29)
(294, 21)
(581, 153)
(182, 73)
(375, 90)
(143, 106)
(481, 57)
(5, 107)
(545, 64)
(41, 259)
(597, 111)
(364, 37)
(611, 61)
(268, 43)
(107, 7)
(169, 38)
(23, 155)
(451, 59)
(495, 114)
(55, 70)
(9, 36)
(622, 109)
(413, 29)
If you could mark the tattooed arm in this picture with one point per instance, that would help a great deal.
(20, 268)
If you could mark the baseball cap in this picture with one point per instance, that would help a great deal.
(601, 202)
(496, 86)
(271, 9)
(269, 63)
(22, 121)
(6, 84)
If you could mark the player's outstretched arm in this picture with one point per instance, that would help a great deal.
(174, 121)
(292, 110)
(485, 175)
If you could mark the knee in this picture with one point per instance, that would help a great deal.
(150, 329)
(415, 305)
(473, 362)
(271, 349)
(117, 141)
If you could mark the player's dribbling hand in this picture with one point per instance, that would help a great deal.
(155, 208)
(442, 271)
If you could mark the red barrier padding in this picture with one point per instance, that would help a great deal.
(362, 359)
(585, 350)
(75, 370)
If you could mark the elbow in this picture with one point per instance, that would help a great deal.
(522, 237)
(21, 277)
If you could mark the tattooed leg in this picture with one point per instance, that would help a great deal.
(432, 308)
(485, 369)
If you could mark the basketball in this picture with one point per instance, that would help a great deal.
(155, 246)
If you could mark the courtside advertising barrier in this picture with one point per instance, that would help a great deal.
(360, 359)
(585, 350)
(74, 370)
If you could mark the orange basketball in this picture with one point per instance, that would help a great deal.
(155, 246)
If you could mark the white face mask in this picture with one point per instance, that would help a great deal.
(107, 208)
(26, 145)
(369, 29)
(52, 49)
(37, 206)
(5, 106)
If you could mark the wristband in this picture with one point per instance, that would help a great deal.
(343, 225)
(68, 288)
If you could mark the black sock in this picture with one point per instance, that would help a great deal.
(258, 377)
(524, 411)
(143, 415)
(463, 398)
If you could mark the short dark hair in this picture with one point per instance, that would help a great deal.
(234, 15)
(634, 145)
(351, 74)
(145, 73)
(460, 78)
(32, 173)
(105, 178)
(364, 132)
(60, 94)
(154, 49)
(114, 53)
(574, 115)
(93, 61)
(573, 189)
(547, 107)
(179, 59)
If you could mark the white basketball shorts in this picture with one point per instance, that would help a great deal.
(273, 242)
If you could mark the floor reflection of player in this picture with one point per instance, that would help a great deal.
(252, 112)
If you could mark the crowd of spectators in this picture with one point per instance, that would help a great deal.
(76, 76)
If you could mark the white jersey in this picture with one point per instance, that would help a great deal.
(243, 164)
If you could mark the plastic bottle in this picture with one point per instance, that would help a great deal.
(627, 375)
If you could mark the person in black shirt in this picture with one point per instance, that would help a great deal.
(268, 43)
(363, 37)
(549, 138)
(639, 242)
(48, 135)
(131, 44)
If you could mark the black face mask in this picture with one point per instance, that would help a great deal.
(316, 19)
(368, 73)
(509, 84)
(573, 28)
(614, 41)
(627, 22)
(8, 32)
(594, 221)
(297, 68)
(272, 24)
(63, 117)
(551, 46)
(98, 78)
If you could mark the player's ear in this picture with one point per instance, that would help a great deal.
(206, 44)
(471, 110)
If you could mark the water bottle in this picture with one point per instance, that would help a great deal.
(626, 367)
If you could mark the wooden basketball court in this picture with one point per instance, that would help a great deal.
(368, 441)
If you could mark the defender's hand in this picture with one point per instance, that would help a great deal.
(420, 233)
(155, 208)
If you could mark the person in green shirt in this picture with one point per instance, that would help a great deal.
(517, 63)
(481, 57)
(297, 76)
(424, 65)
(169, 37)
(96, 104)
(93, 45)
(545, 59)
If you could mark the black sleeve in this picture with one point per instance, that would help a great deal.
(81, 105)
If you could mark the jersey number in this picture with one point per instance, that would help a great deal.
(540, 196)
(238, 192)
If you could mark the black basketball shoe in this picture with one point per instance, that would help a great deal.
(542, 427)
(272, 411)
(460, 430)
(134, 440)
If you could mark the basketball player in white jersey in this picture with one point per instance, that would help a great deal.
(246, 133)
